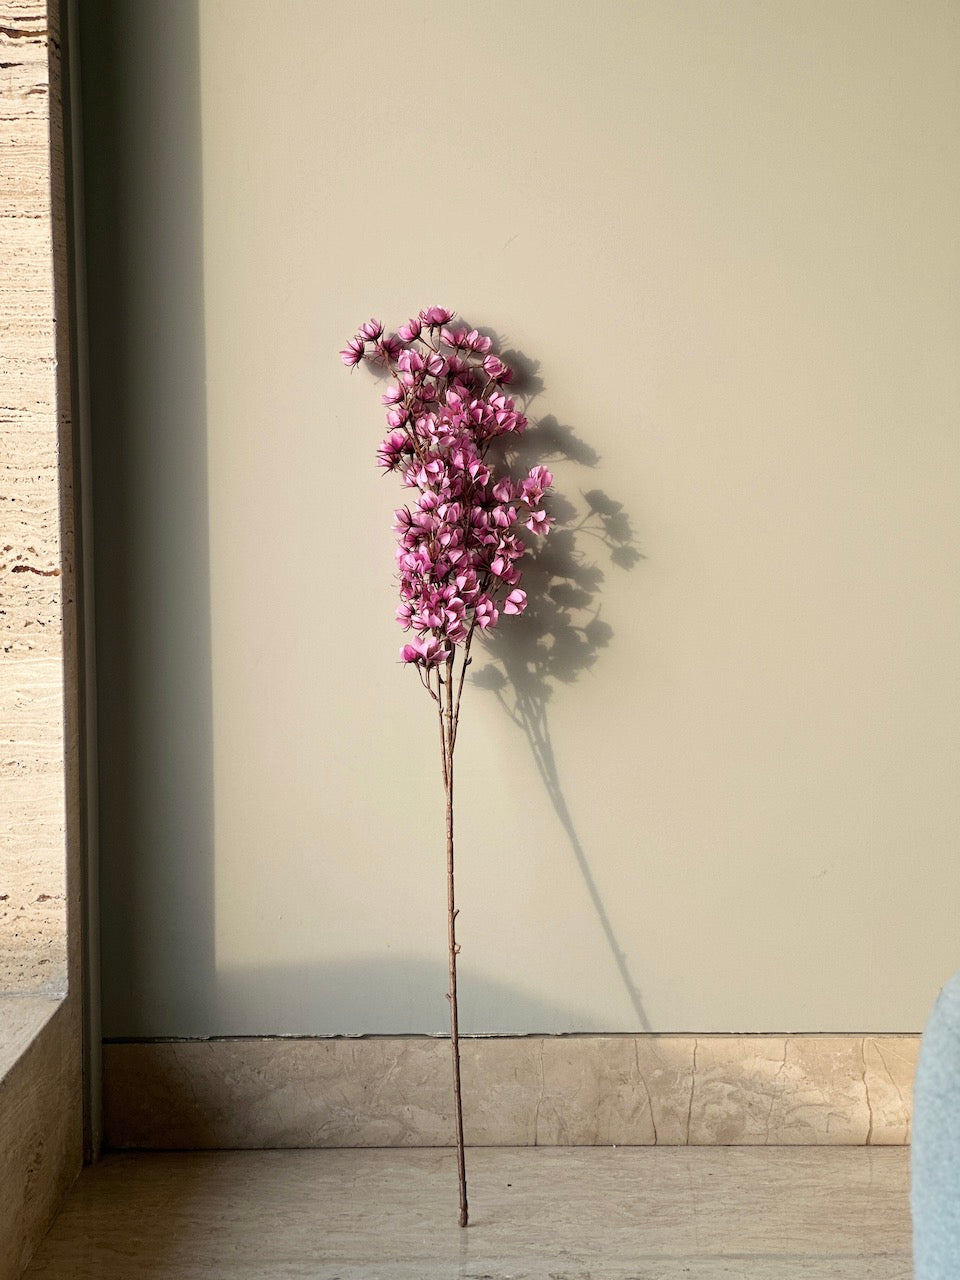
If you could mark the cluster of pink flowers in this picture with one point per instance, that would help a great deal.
(458, 545)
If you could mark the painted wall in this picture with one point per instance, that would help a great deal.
(723, 237)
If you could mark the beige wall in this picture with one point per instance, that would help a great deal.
(725, 235)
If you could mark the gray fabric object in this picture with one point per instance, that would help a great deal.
(935, 1153)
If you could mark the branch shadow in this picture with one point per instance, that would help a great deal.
(560, 634)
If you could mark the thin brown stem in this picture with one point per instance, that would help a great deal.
(453, 948)
(425, 681)
(443, 750)
(463, 672)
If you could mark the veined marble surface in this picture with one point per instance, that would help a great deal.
(557, 1213)
(40, 1121)
(40, 1032)
(35, 539)
(21, 1019)
(518, 1091)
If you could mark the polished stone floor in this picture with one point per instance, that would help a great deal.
(556, 1213)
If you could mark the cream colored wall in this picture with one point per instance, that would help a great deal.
(725, 235)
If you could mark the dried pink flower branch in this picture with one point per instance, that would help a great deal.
(458, 545)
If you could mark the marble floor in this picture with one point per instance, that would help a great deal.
(554, 1213)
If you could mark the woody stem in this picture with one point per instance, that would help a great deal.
(447, 734)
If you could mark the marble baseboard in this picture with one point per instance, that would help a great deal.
(582, 1090)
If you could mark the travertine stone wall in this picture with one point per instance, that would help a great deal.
(41, 1112)
(40, 1126)
(33, 954)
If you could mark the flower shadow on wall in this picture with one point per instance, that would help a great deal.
(561, 632)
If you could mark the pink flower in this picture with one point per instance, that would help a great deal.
(429, 473)
(388, 455)
(485, 613)
(410, 361)
(410, 331)
(389, 348)
(436, 315)
(539, 522)
(371, 330)
(515, 602)
(476, 342)
(392, 395)
(353, 352)
(451, 512)
(494, 368)
(535, 483)
(424, 649)
(466, 584)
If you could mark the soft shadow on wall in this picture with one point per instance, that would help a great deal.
(140, 68)
(561, 633)
(399, 994)
(558, 639)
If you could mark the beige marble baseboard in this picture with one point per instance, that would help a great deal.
(589, 1090)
